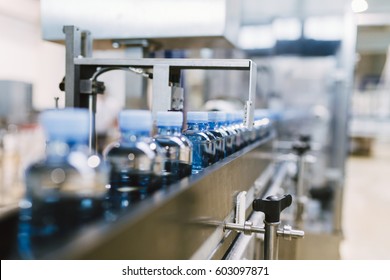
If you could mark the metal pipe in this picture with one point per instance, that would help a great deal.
(246, 228)
(301, 174)
(92, 123)
(287, 232)
(300, 192)
(250, 103)
(271, 241)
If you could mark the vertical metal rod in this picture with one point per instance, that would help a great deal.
(56, 99)
(72, 71)
(78, 43)
(300, 192)
(161, 91)
(92, 123)
(86, 47)
(271, 241)
(301, 176)
(250, 103)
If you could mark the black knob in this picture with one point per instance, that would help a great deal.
(272, 206)
(301, 147)
(62, 85)
(98, 87)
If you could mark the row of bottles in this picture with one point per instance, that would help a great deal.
(71, 187)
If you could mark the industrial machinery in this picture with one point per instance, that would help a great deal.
(257, 203)
(201, 216)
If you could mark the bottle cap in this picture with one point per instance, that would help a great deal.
(135, 120)
(197, 116)
(169, 119)
(230, 117)
(217, 116)
(65, 124)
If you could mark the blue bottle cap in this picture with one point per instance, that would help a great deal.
(197, 116)
(69, 124)
(169, 119)
(135, 120)
(230, 116)
(217, 116)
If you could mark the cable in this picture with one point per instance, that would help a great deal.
(138, 71)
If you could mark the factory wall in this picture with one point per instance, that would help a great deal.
(24, 56)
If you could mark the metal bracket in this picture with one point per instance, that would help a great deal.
(177, 102)
(81, 66)
(91, 87)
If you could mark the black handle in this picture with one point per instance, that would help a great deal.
(272, 206)
(302, 145)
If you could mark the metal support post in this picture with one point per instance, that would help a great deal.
(271, 241)
(301, 147)
(250, 103)
(161, 97)
(72, 71)
(272, 206)
(86, 51)
(79, 44)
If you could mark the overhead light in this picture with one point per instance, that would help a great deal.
(359, 6)
(287, 28)
(325, 28)
(256, 37)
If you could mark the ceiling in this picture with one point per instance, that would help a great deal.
(373, 24)
(261, 11)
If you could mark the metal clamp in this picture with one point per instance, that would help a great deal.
(289, 234)
(272, 206)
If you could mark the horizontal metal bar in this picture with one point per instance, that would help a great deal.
(227, 64)
(242, 228)
(287, 232)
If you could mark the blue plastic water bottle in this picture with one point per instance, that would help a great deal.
(244, 132)
(232, 131)
(262, 124)
(215, 123)
(66, 189)
(135, 160)
(203, 142)
(176, 147)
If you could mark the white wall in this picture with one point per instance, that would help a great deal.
(24, 56)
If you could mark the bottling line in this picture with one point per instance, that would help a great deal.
(279, 197)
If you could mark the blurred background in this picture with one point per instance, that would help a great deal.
(325, 59)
